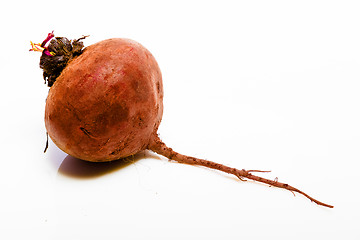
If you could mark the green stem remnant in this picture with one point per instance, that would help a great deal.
(159, 147)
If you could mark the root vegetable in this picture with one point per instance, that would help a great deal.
(106, 103)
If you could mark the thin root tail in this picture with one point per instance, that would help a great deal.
(156, 145)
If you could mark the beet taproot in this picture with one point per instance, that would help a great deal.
(106, 102)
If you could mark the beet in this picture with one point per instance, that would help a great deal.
(106, 103)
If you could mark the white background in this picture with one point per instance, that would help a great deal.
(270, 85)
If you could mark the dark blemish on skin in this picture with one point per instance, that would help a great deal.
(158, 87)
(121, 146)
(114, 114)
(111, 117)
(86, 132)
(135, 85)
(140, 122)
(141, 89)
(119, 113)
(116, 151)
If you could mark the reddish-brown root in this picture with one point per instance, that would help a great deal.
(156, 145)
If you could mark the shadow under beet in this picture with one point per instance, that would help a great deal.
(76, 168)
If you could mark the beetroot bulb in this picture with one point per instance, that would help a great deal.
(106, 103)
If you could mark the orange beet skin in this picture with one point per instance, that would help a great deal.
(107, 102)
